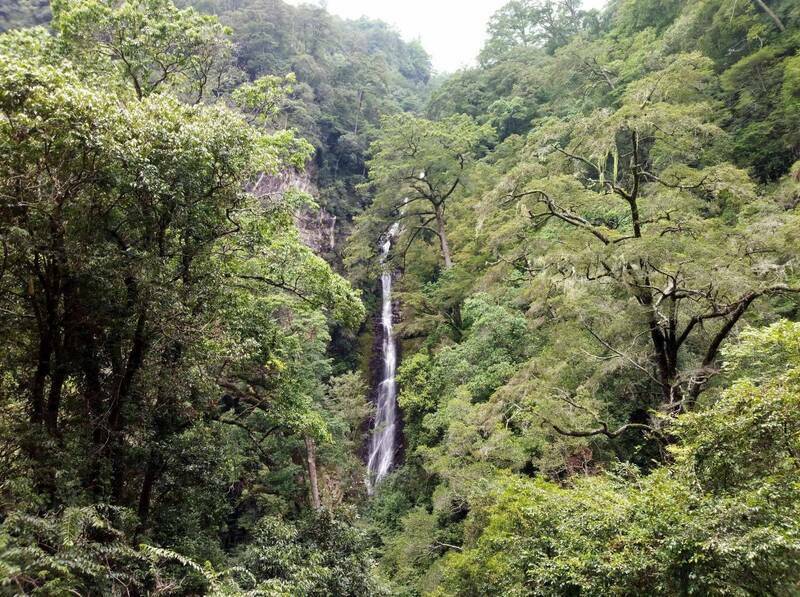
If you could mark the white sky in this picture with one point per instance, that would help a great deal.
(452, 31)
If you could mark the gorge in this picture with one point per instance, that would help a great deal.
(286, 311)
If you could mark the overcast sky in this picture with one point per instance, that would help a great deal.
(451, 30)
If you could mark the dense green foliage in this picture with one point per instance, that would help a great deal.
(349, 74)
(597, 234)
(164, 331)
(722, 519)
(567, 429)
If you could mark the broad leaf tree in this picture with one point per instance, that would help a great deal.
(145, 292)
(622, 203)
(417, 167)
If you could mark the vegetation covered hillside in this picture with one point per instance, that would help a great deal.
(592, 237)
(599, 222)
(349, 74)
(164, 331)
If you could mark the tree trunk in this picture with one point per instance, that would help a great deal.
(440, 229)
(776, 19)
(40, 376)
(666, 373)
(116, 419)
(151, 473)
(665, 365)
(54, 397)
(311, 456)
(699, 381)
(358, 111)
(96, 415)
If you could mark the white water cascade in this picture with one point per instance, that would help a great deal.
(382, 444)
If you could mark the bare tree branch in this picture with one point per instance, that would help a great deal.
(602, 430)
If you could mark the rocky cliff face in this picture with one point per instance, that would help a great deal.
(319, 229)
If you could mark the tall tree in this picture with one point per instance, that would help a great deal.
(132, 251)
(151, 43)
(644, 223)
(526, 24)
(417, 167)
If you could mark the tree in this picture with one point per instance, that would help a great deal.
(146, 293)
(417, 166)
(151, 43)
(721, 519)
(644, 223)
(349, 75)
(525, 24)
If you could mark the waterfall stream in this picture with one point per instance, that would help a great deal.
(382, 444)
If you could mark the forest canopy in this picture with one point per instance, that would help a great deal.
(228, 226)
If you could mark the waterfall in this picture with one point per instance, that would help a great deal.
(382, 444)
